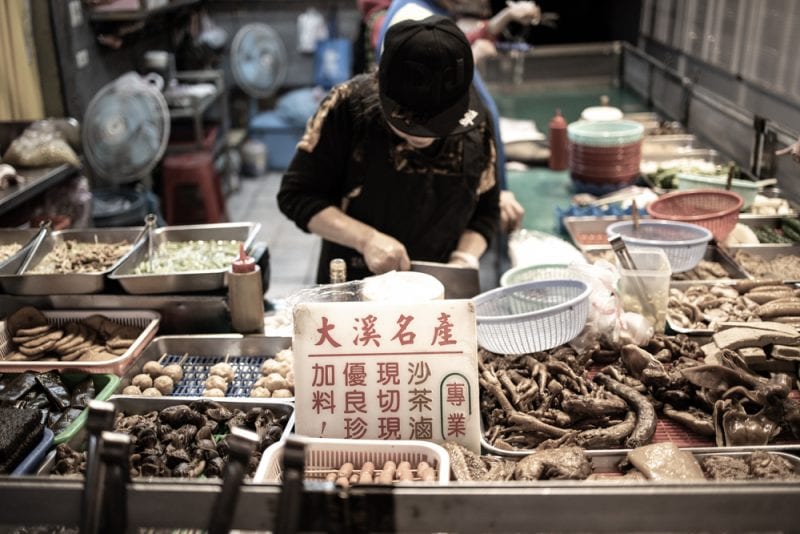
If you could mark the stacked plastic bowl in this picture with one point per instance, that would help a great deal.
(605, 153)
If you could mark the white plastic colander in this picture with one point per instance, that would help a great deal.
(683, 243)
(531, 316)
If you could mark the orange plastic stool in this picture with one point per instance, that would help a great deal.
(192, 170)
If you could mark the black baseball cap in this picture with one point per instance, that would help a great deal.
(425, 78)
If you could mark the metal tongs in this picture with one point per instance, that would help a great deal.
(241, 444)
(147, 233)
(33, 245)
(289, 505)
(100, 419)
(625, 259)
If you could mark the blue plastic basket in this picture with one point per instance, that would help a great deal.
(683, 243)
(532, 316)
(31, 462)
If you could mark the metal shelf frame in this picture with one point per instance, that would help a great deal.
(550, 506)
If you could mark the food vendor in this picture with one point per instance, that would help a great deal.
(399, 164)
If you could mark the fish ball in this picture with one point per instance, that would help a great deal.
(271, 366)
(153, 369)
(260, 392)
(174, 371)
(164, 384)
(276, 381)
(151, 392)
(282, 394)
(285, 355)
(213, 392)
(216, 382)
(131, 390)
(290, 378)
(225, 370)
(142, 381)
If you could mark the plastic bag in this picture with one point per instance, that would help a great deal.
(529, 247)
(606, 317)
(41, 145)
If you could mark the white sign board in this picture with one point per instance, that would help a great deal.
(379, 370)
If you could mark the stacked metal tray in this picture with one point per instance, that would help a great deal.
(146, 320)
(13, 236)
(187, 281)
(63, 283)
(245, 354)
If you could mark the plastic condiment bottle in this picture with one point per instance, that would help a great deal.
(559, 148)
(245, 294)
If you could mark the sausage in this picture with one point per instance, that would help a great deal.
(366, 473)
(387, 473)
(343, 482)
(346, 470)
(404, 473)
(645, 413)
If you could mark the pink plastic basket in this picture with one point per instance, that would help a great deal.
(714, 209)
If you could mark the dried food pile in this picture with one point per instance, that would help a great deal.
(656, 462)
(59, 399)
(6, 251)
(184, 440)
(711, 391)
(184, 256)
(80, 257)
(95, 338)
(782, 267)
(706, 307)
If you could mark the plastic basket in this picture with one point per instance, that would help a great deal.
(531, 316)
(29, 464)
(104, 384)
(716, 210)
(324, 455)
(683, 243)
(531, 273)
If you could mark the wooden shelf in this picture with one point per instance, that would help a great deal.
(138, 14)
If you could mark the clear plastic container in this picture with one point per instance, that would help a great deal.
(645, 290)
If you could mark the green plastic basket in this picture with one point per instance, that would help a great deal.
(104, 385)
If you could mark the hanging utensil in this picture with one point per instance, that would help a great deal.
(44, 228)
(147, 234)
(635, 213)
(626, 261)
(289, 504)
(241, 445)
(100, 418)
(114, 453)
(729, 182)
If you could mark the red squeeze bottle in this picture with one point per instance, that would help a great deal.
(559, 147)
(245, 294)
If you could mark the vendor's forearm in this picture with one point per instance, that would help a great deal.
(336, 226)
(473, 243)
(497, 24)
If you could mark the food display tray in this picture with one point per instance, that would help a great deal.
(29, 464)
(181, 282)
(146, 320)
(590, 231)
(64, 283)
(9, 236)
(768, 251)
(322, 455)
(141, 405)
(712, 253)
(246, 354)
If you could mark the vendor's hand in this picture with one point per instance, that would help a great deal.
(511, 212)
(524, 12)
(383, 253)
(482, 49)
(793, 149)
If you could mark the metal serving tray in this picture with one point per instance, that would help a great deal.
(607, 462)
(713, 253)
(183, 282)
(247, 353)
(767, 252)
(142, 405)
(67, 283)
(9, 236)
(146, 320)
